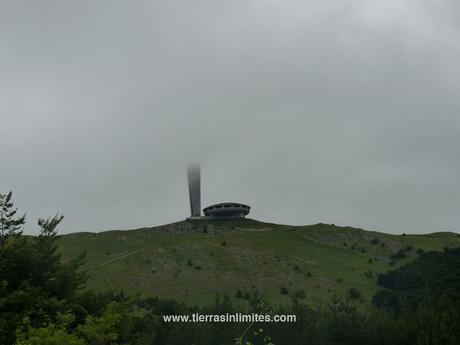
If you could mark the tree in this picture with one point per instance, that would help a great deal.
(10, 223)
(34, 283)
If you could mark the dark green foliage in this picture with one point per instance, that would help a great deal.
(10, 223)
(408, 248)
(339, 280)
(189, 263)
(386, 299)
(369, 274)
(354, 293)
(435, 270)
(239, 294)
(284, 290)
(34, 284)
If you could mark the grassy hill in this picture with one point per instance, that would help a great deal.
(193, 260)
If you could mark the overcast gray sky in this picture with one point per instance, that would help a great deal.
(342, 112)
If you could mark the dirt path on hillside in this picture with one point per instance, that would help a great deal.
(118, 258)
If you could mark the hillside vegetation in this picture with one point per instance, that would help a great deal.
(192, 261)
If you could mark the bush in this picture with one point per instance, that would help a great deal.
(386, 299)
(284, 290)
(354, 293)
(239, 294)
(299, 294)
(369, 274)
(401, 254)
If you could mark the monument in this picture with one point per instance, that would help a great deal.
(223, 210)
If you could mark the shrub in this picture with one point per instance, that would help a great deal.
(339, 280)
(299, 294)
(401, 254)
(386, 299)
(420, 251)
(354, 293)
(239, 294)
(284, 290)
(189, 262)
(369, 274)
(409, 248)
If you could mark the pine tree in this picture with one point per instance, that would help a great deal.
(10, 223)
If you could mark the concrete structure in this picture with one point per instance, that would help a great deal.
(227, 210)
(223, 210)
(194, 189)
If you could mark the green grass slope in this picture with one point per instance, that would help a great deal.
(191, 261)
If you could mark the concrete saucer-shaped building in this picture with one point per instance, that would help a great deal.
(227, 210)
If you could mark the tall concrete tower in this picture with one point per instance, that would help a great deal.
(194, 189)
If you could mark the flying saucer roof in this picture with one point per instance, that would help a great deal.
(227, 210)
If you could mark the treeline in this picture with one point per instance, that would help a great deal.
(43, 302)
